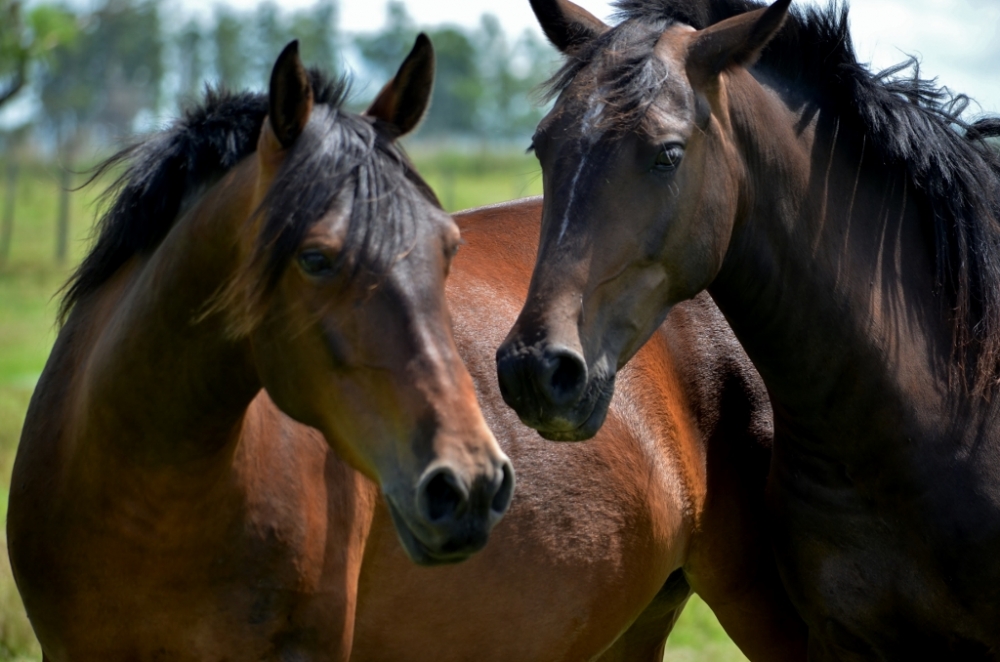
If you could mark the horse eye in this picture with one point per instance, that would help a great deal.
(315, 263)
(669, 157)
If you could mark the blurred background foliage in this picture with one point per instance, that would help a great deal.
(75, 81)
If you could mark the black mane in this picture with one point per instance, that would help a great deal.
(911, 124)
(169, 170)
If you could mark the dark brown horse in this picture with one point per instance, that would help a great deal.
(253, 277)
(848, 225)
(604, 541)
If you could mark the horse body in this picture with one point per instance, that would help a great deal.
(604, 540)
(884, 476)
(848, 234)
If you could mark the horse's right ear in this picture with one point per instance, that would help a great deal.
(403, 102)
(567, 26)
(736, 41)
(290, 98)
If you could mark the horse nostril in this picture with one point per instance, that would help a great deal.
(567, 376)
(505, 491)
(442, 496)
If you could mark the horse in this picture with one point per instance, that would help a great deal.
(604, 542)
(847, 224)
(259, 330)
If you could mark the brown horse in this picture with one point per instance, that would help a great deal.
(252, 278)
(605, 540)
(848, 225)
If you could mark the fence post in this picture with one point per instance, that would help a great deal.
(62, 225)
(7, 227)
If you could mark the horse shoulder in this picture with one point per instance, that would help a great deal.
(730, 563)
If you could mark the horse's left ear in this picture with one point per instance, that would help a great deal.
(402, 103)
(567, 25)
(736, 41)
(290, 96)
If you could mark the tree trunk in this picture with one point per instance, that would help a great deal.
(7, 226)
(62, 225)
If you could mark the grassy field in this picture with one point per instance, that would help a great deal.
(31, 278)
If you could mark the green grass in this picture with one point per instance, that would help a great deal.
(30, 280)
(698, 637)
(477, 176)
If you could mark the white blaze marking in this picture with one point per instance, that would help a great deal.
(587, 145)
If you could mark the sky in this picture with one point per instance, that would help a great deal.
(958, 41)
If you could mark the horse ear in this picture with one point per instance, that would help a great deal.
(402, 103)
(567, 26)
(290, 96)
(736, 41)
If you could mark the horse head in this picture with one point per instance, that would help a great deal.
(642, 191)
(341, 296)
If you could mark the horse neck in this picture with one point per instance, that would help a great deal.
(163, 382)
(828, 275)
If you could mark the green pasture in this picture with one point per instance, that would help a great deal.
(31, 277)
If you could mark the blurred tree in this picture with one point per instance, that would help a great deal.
(316, 29)
(533, 61)
(271, 34)
(128, 43)
(483, 85)
(456, 83)
(28, 38)
(510, 75)
(230, 59)
(500, 84)
(384, 51)
(13, 50)
(457, 86)
(191, 67)
(107, 76)
(245, 44)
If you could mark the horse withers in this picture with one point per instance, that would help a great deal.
(848, 226)
(266, 287)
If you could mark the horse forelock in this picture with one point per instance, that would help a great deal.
(337, 154)
(615, 78)
(911, 123)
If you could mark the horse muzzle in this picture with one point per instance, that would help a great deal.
(552, 390)
(450, 519)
